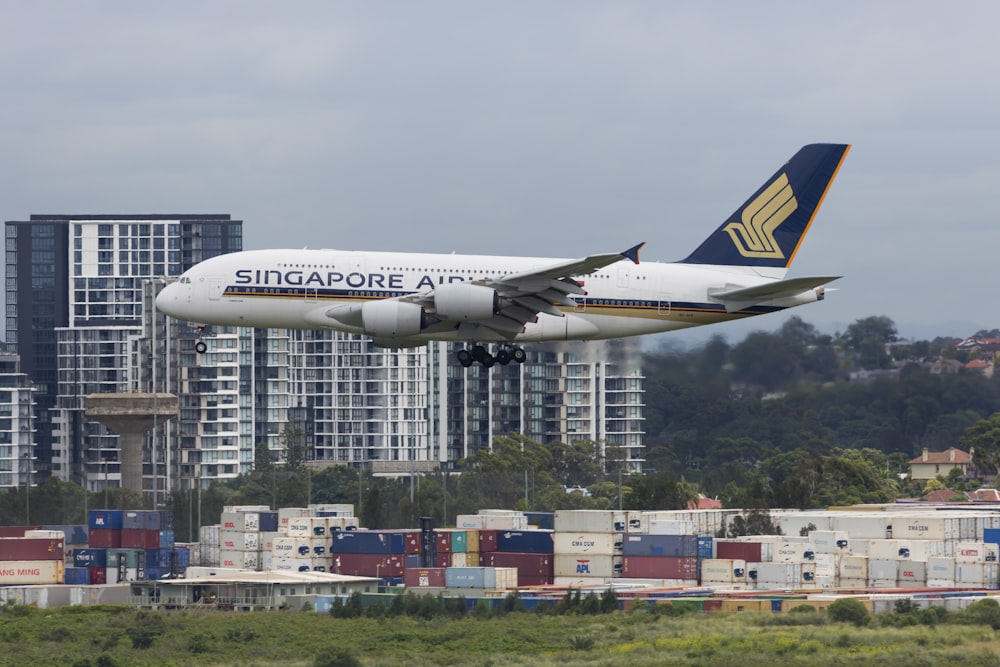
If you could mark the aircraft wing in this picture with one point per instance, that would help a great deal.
(735, 297)
(522, 296)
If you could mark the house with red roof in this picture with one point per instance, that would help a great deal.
(929, 465)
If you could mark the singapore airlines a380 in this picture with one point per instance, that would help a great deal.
(495, 304)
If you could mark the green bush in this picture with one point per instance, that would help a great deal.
(337, 657)
(849, 610)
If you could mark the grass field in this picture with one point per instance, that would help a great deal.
(121, 636)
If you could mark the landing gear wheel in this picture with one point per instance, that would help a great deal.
(503, 357)
(482, 355)
(465, 358)
(519, 355)
(200, 347)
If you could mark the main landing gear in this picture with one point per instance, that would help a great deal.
(200, 345)
(478, 353)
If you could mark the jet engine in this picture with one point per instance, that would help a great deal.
(465, 301)
(391, 318)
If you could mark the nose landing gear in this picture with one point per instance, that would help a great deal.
(478, 353)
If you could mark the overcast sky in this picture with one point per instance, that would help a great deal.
(557, 129)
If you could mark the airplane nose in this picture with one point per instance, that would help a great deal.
(167, 299)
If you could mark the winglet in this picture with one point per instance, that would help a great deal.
(633, 252)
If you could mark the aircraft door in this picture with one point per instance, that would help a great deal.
(215, 287)
(665, 304)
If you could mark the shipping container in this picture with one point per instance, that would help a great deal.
(424, 577)
(141, 539)
(236, 540)
(525, 541)
(487, 540)
(829, 541)
(526, 564)
(21, 572)
(32, 548)
(98, 576)
(941, 567)
(105, 519)
(241, 521)
(667, 527)
(496, 578)
(242, 560)
(591, 521)
(911, 573)
(332, 509)
(90, 557)
(128, 558)
(491, 521)
(587, 566)
(659, 567)
(676, 546)
(884, 570)
(72, 534)
(854, 567)
(975, 552)
(79, 576)
(605, 544)
(722, 570)
(368, 565)
(369, 542)
(792, 552)
(750, 552)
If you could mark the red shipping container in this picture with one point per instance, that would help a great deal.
(424, 577)
(660, 567)
(412, 541)
(487, 540)
(748, 551)
(31, 548)
(98, 575)
(368, 565)
(443, 542)
(713, 605)
(533, 581)
(16, 531)
(528, 565)
(104, 538)
(140, 539)
(442, 559)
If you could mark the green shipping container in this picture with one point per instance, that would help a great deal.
(459, 542)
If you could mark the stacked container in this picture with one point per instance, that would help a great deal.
(303, 545)
(373, 553)
(531, 553)
(36, 558)
(245, 538)
(670, 557)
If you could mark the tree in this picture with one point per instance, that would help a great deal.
(984, 438)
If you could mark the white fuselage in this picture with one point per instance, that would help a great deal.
(296, 288)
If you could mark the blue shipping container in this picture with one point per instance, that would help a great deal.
(268, 522)
(79, 576)
(90, 557)
(674, 546)
(706, 546)
(180, 556)
(105, 519)
(368, 542)
(525, 541)
(544, 520)
(166, 539)
(991, 535)
(134, 520)
(470, 577)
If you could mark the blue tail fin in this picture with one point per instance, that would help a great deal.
(768, 228)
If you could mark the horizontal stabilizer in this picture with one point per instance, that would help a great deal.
(736, 298)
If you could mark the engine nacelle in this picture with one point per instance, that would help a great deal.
(390, 318)
(465, 301)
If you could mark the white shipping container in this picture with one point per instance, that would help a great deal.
(291, 564)
(242, 521)
(46, 534)
(852, 583)
(864, 525)
(723, 570)
(491, 522)
(940, 583)
(586, 566)
(19, 572)
(970, 574)
(581, 581)
(286, 514)
(668, 527)
(919, 550)
(461, 559)
(934, 527)
(855, 567)
(975, 552)
(775, 575)
(829, 541)
(236, 540)
(793, 523)
(590, 521)
(336, 523)
(792, 552)
(243, 560)
(246, 508)
(333, 509)
(209, 535)
(941, 567)
(827, 566)
(911, 573)
(883, 569)
(605, 544)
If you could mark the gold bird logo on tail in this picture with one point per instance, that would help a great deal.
(754, 236)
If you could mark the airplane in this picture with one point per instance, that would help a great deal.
(403, 299)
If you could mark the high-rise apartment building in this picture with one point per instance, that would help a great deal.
(17, 424)
(76, 288)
